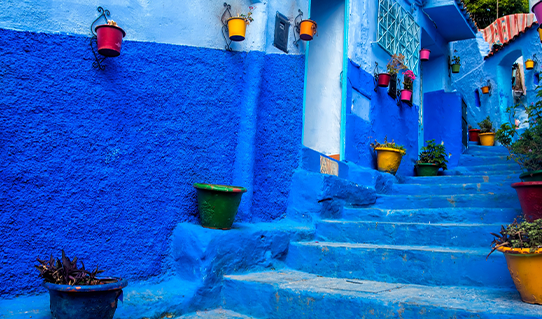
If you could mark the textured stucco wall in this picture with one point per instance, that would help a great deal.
(101, 163)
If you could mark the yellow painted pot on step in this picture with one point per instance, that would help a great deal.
(307, 30)
(237, 27)
(529, 64)
(487, 139)
(388, 159)
(524, 268)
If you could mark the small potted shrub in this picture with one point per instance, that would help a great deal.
(487, 132)
(521, 244)
(237, 26)
(408, 80)
(389, 155)
(218, 204)
(473, 134)
(395, 64)
(431, 159)
(109, 38)
(456, 63)
(78, 293)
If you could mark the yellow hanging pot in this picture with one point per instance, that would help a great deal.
(529, 64)
(524, 267)
(485, 89)
(237, 27)
(388, 159)
(308, 29)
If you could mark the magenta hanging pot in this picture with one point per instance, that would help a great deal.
(424, 54)
(406, 95)
(537, 10)
(384, 79)
(109, 40)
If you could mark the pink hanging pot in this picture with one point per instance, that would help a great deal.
(109, 39)
(424, 54)
(537, 10)
(406, 95)
(384, 79)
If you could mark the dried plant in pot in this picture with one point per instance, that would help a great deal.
(389, 155)
(431, 159)
(77, 292)
(487, 132)
(521, 243)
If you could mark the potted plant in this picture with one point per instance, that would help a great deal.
(307, 29)
(408, 80)
(78, 293)
(521, 244)
(218, 204)
(237, 26)
(529, 64)
(526, 150)
(109, 39)
(537, 10)
(487, 132)
(485, 89)
(424, 54)
(431, 159)
(456, 63)
(473, 134)
(395, 64)
(389, 155)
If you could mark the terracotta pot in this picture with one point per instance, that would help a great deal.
(530, 198)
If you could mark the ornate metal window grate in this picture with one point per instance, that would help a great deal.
(398, 33)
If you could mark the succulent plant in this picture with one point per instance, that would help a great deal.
(66, 272)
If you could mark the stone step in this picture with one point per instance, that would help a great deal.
(292, 294)
(452, 189)
(486, 150)
(504, 200)
(513, 166)
(434, 215)
(424, 265)
(398, 233)
(475, 160)
(461, 179)
(466, 172)
(213, 314)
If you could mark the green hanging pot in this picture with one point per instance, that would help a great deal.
(532, 176)
(218, 204)
(427, 169)
(455, 68)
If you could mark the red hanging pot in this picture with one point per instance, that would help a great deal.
(424, 54)
(384, 79)
(406, 95)
(530, 198)
(109, 39)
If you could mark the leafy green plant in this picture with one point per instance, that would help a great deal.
(66, 272)
(433, 154)
(388, 145)
(456, 59)
(524, 149)
(519, 235)
(396, 64)
(486, 126)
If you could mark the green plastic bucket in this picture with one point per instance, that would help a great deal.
(427, 169)
(218, 204)
(533, 176)
(456, 68)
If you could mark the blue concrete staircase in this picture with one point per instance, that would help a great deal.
(419, 251)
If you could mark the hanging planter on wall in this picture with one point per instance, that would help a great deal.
(424, 54)
(234, 28)
(384, 79)
(529, 64)
(237, 28)
(308, 29)
(406, 95)
(109, 39)
(537, 10)
(454, 63)
(485, 89)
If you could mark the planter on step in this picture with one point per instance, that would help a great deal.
(427, 169)
(473, 135)
(456, 68)
(218, 204)
(424, 54)
(109, 39)
(487, 139)
(533, 176)
(406, 95)
(388, 159)
(384, 79)
(85, 302)
(537, 10)
(485, 89)
(237, 28)
(530, 198)
(307, 30)
(524, 267)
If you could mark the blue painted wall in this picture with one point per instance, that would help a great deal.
(101, 163)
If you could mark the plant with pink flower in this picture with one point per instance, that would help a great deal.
(408, 80)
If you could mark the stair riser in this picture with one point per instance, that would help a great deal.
(406, 234)
(453, 189)
(413, 202)
(465, 172)
(401, 266)
(463, 179)
(486, 151)
(492, 167)
(263, 300)
(439, 215)
(472, 160)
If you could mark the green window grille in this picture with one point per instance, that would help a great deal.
(398, 33)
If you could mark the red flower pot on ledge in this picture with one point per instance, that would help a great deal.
(530, 198)
(109, 39)
(384, 79)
